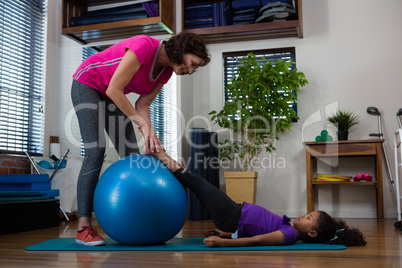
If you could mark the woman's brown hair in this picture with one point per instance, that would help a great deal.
(184, 43)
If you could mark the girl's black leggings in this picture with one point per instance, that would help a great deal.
(224, 211)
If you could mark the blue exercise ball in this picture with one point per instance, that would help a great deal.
(138, 201)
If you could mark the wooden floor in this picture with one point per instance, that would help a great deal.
(384, 249)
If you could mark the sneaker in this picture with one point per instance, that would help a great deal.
(89, 237)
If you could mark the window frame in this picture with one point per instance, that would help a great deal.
(259, 53)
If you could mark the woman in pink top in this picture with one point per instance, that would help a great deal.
(140, 65)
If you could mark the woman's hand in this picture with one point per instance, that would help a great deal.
(151, 141)
(154, 143)
(146, 151)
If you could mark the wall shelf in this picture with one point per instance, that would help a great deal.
(255, 31)
(344, 182)
(164, 24)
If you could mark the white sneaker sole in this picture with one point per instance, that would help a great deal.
(96, 243)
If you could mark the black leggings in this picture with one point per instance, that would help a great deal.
(97, 113)
(224, 211)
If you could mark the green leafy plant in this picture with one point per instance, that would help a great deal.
(258, 109)
(343, 120)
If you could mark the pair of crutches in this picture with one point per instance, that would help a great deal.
(397, 144)
(51, 177)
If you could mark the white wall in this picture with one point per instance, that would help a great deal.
(351, 57)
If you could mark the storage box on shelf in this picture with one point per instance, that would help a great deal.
(85, 34)
(245, 32)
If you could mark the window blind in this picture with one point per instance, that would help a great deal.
(231, 60)
(22, 67)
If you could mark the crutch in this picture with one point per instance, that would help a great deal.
(374, 111)
(398, 117)
(60, 163)
(398, 164)
(32, 163)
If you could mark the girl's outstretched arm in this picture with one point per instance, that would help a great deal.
(274, 238)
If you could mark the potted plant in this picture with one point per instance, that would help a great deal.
(258, 110)
(343, 121)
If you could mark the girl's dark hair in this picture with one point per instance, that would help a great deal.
(184, 43)
(332, 231)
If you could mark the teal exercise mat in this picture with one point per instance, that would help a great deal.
(175, 244)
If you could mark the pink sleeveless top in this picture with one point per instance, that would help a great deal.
(97, 70)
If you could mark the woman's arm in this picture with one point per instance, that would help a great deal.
(274, 238)
(142, 106)
(125, 71)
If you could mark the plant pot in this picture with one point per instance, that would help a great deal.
(342, 135)
(241, 186)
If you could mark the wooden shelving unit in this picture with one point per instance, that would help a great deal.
(350, 148)
(165, 23)
(86, 34)
(255, 31)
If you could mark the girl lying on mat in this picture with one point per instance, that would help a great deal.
(253, 225)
